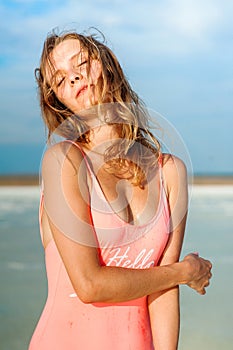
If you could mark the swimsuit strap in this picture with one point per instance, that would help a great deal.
(160, 164)
(83, 154)
(160, 160)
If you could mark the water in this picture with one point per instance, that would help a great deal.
(22, 276)
(206, 321)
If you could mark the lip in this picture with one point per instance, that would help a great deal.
(82, 88)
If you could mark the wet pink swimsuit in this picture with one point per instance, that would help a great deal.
(67, 323)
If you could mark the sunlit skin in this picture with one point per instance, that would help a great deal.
(71, 83)
(75, 88)
(93, 282)
(71, 89)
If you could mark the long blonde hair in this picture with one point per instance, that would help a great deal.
(137, 150)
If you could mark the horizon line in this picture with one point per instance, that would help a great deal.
(33, 179)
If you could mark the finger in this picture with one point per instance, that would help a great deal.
(202, 291)
(207, 284)
(208, 264)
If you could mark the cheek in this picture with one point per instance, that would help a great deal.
(95, 71)
(61, 93)
(63, 98)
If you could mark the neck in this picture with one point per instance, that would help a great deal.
(101, 137)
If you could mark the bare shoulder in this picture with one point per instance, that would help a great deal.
(65, 155)
(174, 171)
(63, 149)
(172, 163)
(64, 176)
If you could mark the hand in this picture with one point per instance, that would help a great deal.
(199, 272)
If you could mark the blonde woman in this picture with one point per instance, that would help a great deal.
(113, 210)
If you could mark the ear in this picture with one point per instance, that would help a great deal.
(95, 70)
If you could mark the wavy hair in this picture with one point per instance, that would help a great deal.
(137, 150)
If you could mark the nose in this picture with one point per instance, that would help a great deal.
(74, 80)
(74, 77)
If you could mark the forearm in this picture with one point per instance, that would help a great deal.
(165, 319)
(116, 284)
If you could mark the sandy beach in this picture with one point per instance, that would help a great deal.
(19, 180)
(33, 180)
(213, 180)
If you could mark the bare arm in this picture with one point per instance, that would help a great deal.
(69, 213)
(164, 306)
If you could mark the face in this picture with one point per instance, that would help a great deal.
(72, 85)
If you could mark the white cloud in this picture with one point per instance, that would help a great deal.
(177, 27)
(168, 27)
(193, 18)
(141, 33)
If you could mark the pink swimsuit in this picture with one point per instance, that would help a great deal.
(67, 323)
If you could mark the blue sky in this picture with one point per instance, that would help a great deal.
(177, 54)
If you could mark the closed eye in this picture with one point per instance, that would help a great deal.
(82, 63)
(60, 82)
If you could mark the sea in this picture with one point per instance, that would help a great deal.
(206, 321)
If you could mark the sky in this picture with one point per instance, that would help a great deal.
(177, 55)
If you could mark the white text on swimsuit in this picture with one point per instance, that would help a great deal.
(122, 259)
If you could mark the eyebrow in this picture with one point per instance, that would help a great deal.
(60, 71)
(77, 55)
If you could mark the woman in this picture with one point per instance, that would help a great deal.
(113, 210)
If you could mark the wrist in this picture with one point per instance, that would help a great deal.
(184, 271)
